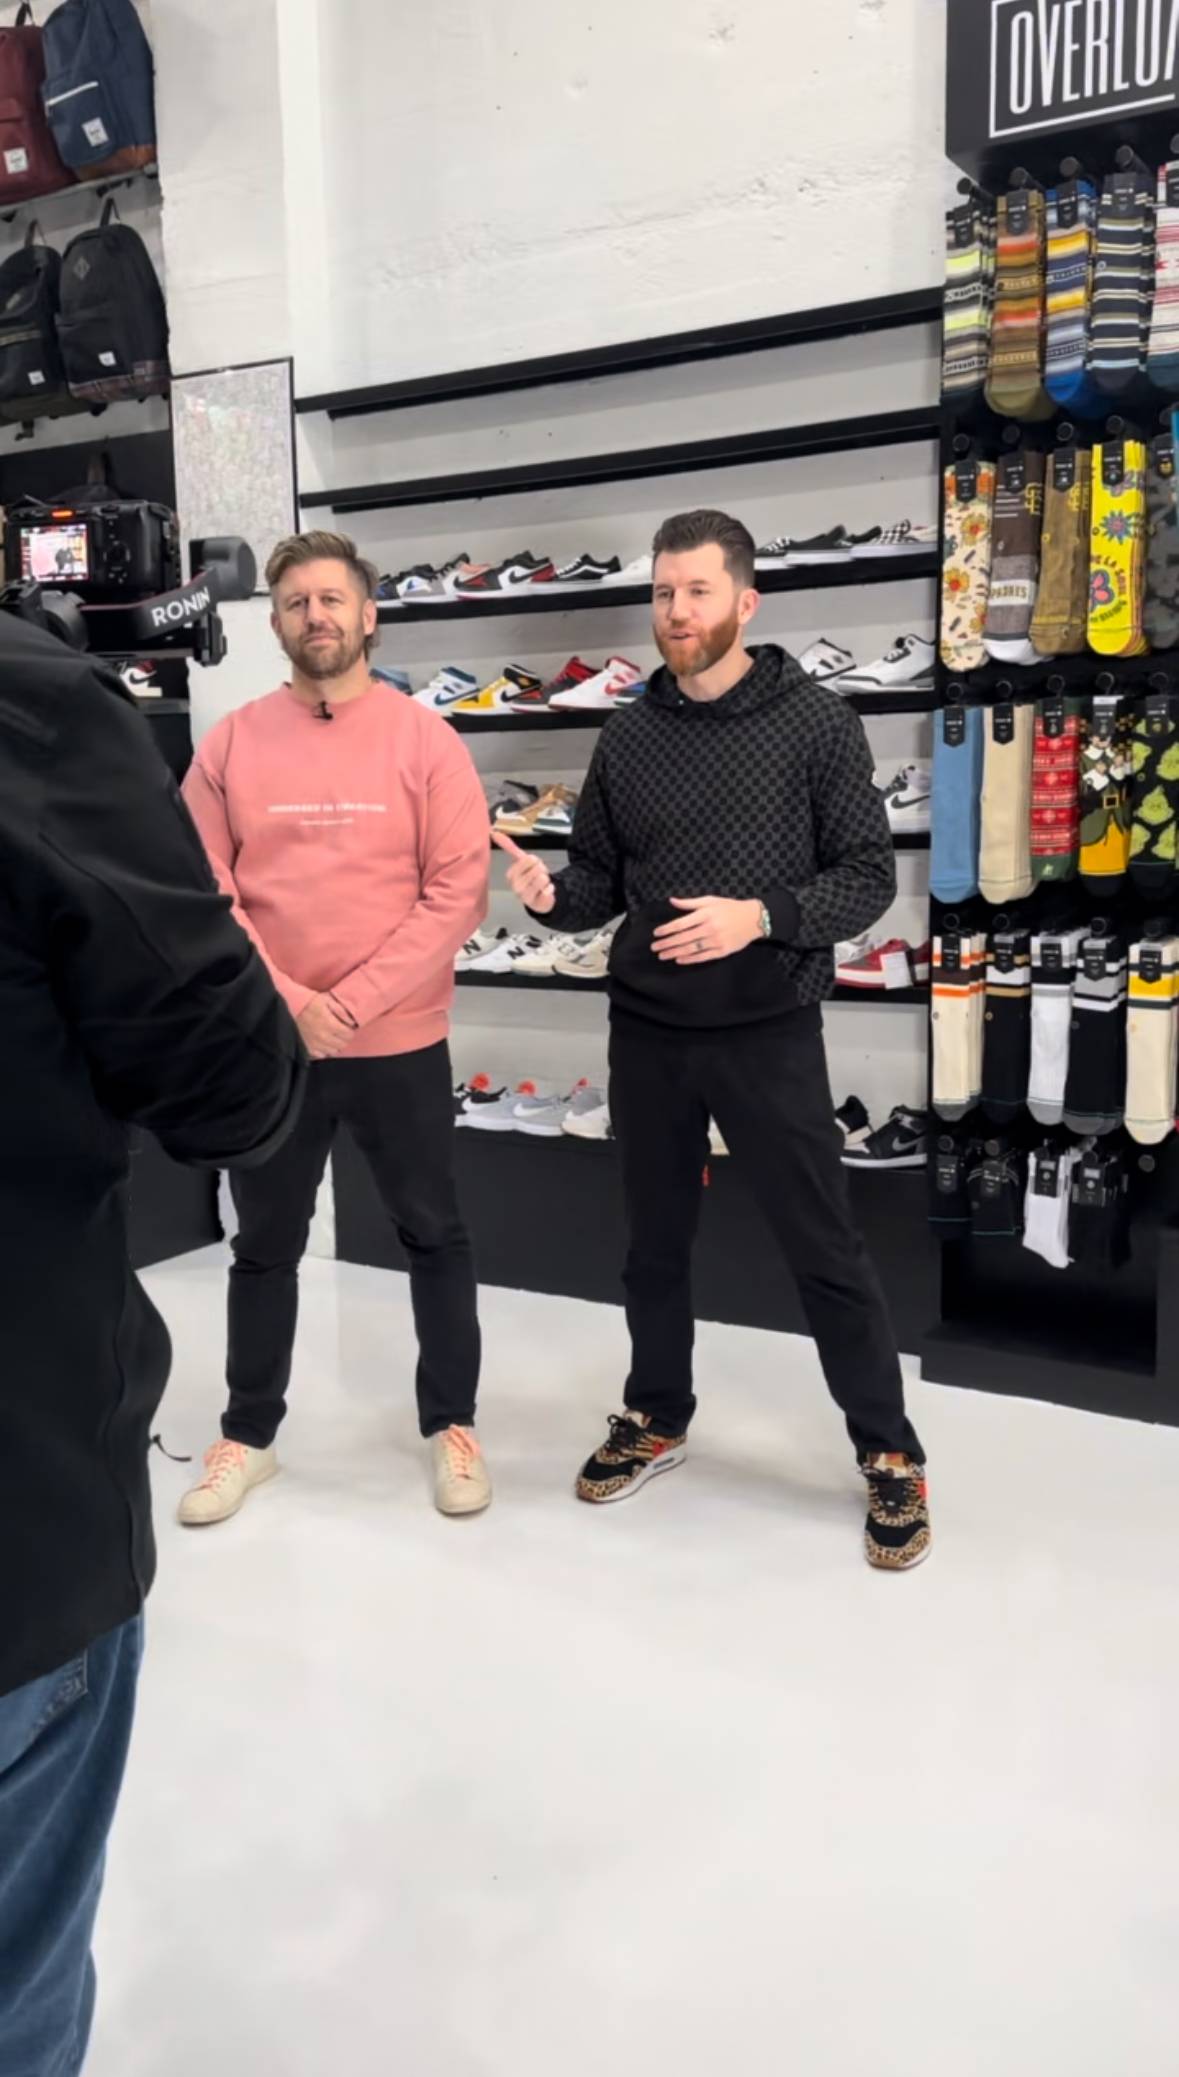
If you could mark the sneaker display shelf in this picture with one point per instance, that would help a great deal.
(739, 1272)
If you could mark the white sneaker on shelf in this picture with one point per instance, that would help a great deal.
(542, 1117)
(477, 947)
(539, 959)
(588, 1116)
(505, 955)
(906, 797)
(905, 538)
(500, 1116)
(636, 572)
(232, 1469)
(602, 689)
(591, 962)
(446, 689)
(908, 665)
(826, 660)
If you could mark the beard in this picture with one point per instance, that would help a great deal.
(324, 660)
(689, 659)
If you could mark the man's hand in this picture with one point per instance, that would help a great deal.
(530, 881)
(323, 1030)
(711, 928)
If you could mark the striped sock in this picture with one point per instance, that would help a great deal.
(1152, 1040)
(1162, 363)
(959, 961)
(969, 299)
(1071, 225)
(1095, 1091)
(1123, 284)
(1016, 388)
(1117, 566)
(1056, 790)
(1007, 1043)
(1054, 967)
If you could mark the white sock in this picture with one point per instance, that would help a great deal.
(1046, 1204)
(1054, 964)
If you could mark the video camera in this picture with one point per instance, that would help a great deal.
(103, 572)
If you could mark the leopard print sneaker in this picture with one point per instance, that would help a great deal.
(897, 1534)
(630, 1456)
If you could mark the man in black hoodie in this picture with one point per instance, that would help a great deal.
(730, 815)
(128, 995)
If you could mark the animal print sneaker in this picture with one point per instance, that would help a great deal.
(897, 1535)
(630, 1456)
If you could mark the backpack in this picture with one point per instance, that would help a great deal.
(98, 92)
(29, 162)
(31, 373)
(112, 328)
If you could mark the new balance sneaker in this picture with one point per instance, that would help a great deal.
(513, 574)
(602, 690)
(523, 820)
(591, 1123)
(476, 1095)
(897, 1534)
(232, 1470)
(853, 1121)
(636, 572)
(478, 945)
(825, 660)
(908, 664)
(500, 1116)
(590, 962)
(538, 960)
(461, 1482)
(900, 1143)
(504, 956)
(542, 1117)
(861, 964)
(587, 569)
(906, 797)
(446, 688)
(498, 696)
(629, 1457)
(904, 538)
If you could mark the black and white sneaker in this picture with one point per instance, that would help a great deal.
(826, 661)
(515, 573)
(905, 538)
(908, 664)
(907, 799)
(474, 1096)
(901, 1143)
(832, 547)
(853, 1121)
(587, 569)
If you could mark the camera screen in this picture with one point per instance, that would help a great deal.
(55, 554)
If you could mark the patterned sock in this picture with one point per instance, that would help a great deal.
(1160, 607)
(1095, 1090)
(1117, 567)
(1105, 813)
(1054, 967)
(1154, 800)
(1015, 557)
(956, 1025)
(1016, 388)
(1004, 852)
(1007, 1035)
(954, 808)
(1162, 363)
(1071, 228)
(966, 564)
(1056, 790)
(1060, 621)
(969, 298)
(1046, 1208)
(1152, 1040)
(1123, 284)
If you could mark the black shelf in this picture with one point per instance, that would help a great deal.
(566, 984)
(562, 598)
(902, 840)
(733, 450)
(548, 721)
(707, 343)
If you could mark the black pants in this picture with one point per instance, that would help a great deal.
(400, 1111)
(770, 1096)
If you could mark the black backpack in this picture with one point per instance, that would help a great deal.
(113, 327)
(32, 378)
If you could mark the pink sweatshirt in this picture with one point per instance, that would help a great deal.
(355, 852)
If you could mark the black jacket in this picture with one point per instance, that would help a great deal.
(127, 994)
(765, 792)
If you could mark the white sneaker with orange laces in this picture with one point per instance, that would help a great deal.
(461, 1483)
(231, 1468)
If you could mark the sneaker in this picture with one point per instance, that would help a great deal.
(478, 945)
(522, 821)
(831, 547)
(533, 700)
(861, 964)
(538, 960)
(513, 574)
(591, 1123)
(901, 1143)
(500, 1116)
(902, 539)
(716, 1143)
(475, 1095)
(446, 688)
(908, 664)
(906, 797)
(853, 1121)
(424, 586)
(512, 796)
(399, 679)
(636, 572)
(824, 660)
(504, 956)
(590, 962)
(542, 1117)
(897, 1535)
(919, 958)
(461, 1483)
(556, 819)
(629, 1457)
(231, 1469)
(602, 689)
(498, 696)
(587, 569)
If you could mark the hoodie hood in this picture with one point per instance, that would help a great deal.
(773, 675)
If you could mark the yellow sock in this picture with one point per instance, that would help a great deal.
(1117, 559)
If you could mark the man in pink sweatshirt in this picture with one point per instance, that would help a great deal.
(348, 826)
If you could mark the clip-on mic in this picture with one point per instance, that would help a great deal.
(323, 712)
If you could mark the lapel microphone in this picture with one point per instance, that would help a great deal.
(323, 712)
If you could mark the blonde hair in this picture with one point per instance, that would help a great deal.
(321, 546)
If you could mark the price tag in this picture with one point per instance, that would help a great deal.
(1105, 717)
(966, 482)
(1052, 715)
(954, 727)
(1158, 713)
(962, 226)
(1019, 212)
(1051, 956)
(1173, 184)
(948, 1174)
(1046, 1176)
(1004, 953)
(1113, 463)
(952, 953)
(1068, 204)
(1003, 722)
(1093, 957)
(1150, 963)
(1064, 468)
(992, 1180)
(1013, 473)
(1163, 451)
(1121, 191)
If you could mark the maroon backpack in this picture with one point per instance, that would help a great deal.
(29, 159)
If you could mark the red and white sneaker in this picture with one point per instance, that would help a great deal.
(861, 964)
(603, 689)
(919, 958)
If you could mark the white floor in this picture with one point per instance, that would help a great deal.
(678, 1786)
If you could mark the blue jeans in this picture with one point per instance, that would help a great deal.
(63, 1747)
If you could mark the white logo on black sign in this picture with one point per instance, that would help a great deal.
(1056, 61)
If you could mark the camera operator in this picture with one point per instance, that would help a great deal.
(128, 995)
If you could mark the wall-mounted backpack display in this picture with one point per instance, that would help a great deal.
(99, 92)
(31, 374)
(29, 160)
(113, 327)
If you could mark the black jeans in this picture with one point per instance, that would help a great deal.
(400, 1111)
(770, 1096)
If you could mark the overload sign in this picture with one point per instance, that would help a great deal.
(1025, 68)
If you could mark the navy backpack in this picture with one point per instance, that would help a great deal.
(99, 93)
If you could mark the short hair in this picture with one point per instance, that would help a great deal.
(322, 546)
(686, 530)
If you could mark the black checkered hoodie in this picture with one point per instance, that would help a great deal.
(765, 792)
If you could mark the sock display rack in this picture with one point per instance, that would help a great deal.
(1054, 1177)
(740, 1272)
